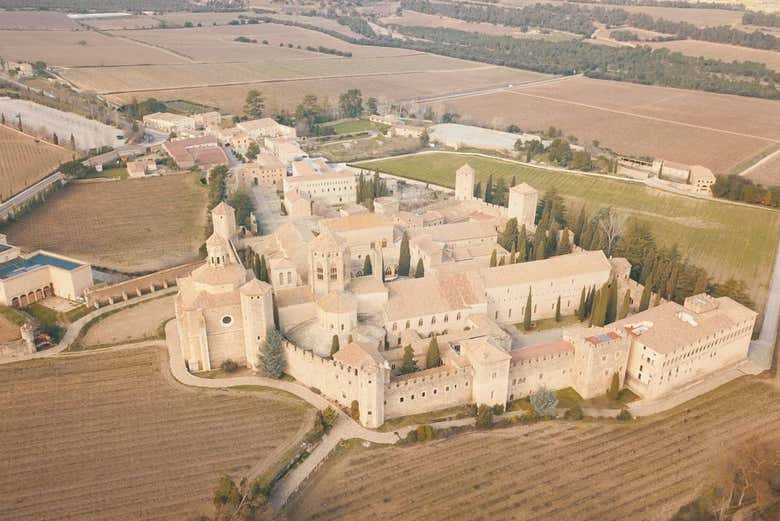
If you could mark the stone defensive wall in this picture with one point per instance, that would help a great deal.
(125, 290)
(428, 390)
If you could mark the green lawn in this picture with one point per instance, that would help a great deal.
(351, 126)
(727, 240)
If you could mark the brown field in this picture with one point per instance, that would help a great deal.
(722, 51)
(43, 20)
(8, 331)
(715, 130)
(318, 21)
(135, 323)
(132, 225)
(111, 436)
(61, 48)
(595, 470)
(766, 172)
(25, 160)
(413, 18)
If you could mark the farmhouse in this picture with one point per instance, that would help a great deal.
(201, 152)
(321, 297)
(25, 279)
(141, 167)
(168, 122)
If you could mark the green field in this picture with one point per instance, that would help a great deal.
(352, 126)
(727, 240)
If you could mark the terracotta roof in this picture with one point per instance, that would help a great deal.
(223, 209)
(326, 240)
(552, 268)
(359, 355)
(524, 188)
(338, 302)
(465, 169)
(432, 294)
(255, 287)
(366, 285)
(453, 232)
(294, 296)
(354, 222)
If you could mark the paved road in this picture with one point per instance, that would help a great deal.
(268, 209)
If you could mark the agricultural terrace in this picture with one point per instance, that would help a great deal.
(583, 471)
(25, 160)
(715, 130)
(111, 436)
(132, 225)
(727, 240)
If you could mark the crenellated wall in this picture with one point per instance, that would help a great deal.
(428, 390)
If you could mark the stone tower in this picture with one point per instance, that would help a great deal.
(464, 183)
(218, 251)
(522, 204)
(223, 216)
(329, 263)
(257, 314)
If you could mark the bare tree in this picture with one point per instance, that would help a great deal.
(611, 224)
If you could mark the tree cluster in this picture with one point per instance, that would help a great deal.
(369, 189)
(736, 188)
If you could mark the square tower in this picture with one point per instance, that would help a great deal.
(464, 183)
(523, 199)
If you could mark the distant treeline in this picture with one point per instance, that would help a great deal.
(78, 6)
(634, 64)
(736, 188)
(357, 25)
(581, 20)
(679, 4)
(761, 18)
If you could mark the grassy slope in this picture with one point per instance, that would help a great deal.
(725, 239)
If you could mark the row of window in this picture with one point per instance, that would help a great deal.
(421, 321)
(434, 392)
(709, 345)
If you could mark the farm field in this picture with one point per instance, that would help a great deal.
(43, 20)
(699, 227)
(25, 160)
(579, 471)
(132, 225)
(62, 48)
(721, 51)
(766, 172)
(134, 323)
(111, 436)
(715, 130)
(413, 18)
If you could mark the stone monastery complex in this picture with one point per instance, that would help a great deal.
(318, 290)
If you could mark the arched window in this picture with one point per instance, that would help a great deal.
(320, 274)
(433, 320)
(334, 273)
(407, 324)
(457, 317)
(420, 322)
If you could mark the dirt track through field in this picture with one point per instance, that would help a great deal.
(584, 471)
(111, 436)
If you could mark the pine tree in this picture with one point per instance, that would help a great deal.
(644, 301)
(625, 307)
(493, 259)
(509, 237)
(271, 358)
(405, 257)
(367, 268)
(408, 363)
(527, 313)
(420, 271)
(433, 357)
(558, 309)
(334, 345)
(581, 307)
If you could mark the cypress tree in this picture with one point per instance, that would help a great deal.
(612, 303)
(657, 299)
(581, 307)
(502, 262)
(478, 190)
(589, 301)
(509, 237)
(493, 259)
(271, 358)
(512, 255)
(626, 305)
(558, 309)
(539, 247)
(433, 357)
(599, 316)
(564, 245)
(522, 245)
(263, 270)
(514, 181)
(489, 190)
(405, 257)
(334, 345)
(367, 268)
(408, 363)
(420, 271)
(527, 313)
(644, 301)
(579, 226)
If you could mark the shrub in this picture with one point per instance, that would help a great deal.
(498, 409)
(472, 409)
(484, 417)
(317, 430)
(624, 415)
(229, 366)
(544, 402)
(574, 412)
(329, 417)
(355, 410)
